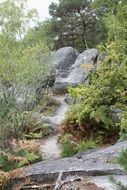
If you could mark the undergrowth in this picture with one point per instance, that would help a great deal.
(70, 147)
(101, 106)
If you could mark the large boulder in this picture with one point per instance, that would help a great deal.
(79, 71)
(97, 162)
(87, 57)
(64, 58)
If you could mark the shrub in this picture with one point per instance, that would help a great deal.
(4, 179)
(93, 114)
(21, 69)
(70, 147)
(21, 153)
(86, 145)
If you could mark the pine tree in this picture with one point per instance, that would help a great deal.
(75, 23)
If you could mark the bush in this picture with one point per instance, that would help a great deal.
(22, 68)
(93, 114)
(70, 147)
(47, 105)
(86, 145)
(22, 153)
(4, 179)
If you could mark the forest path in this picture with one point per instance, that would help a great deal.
(51, 148)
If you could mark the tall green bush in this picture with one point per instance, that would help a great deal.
(21, 68)
(105, 94)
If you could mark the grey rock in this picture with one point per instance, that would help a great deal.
(69, 99)
(50, 171)
(84, 64)
(116, 114)
(60, 85)
(89, 56)
(85, 165)
(64, 58)
(77, 76)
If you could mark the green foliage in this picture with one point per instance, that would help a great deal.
(70, 147)
(21, 68)
(107, 89)
(114, 16)
(12, 121)
(82, 27)
(106, 6)
(14, 18)
(23, 65)
(106, 92)
(122, 160)
(17, 159)
(47, 105)
(68, 150)
(30, 156)
(86, 145)
(39, 131)
(34, 135)
(97, 103)
(123, 123)
(118, 184)
(40, 34)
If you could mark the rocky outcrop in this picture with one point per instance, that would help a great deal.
(98, 164)
(93, 163)
(79, 71)
(64, 58)
(89, 56)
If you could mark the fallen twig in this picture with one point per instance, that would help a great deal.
(58, 182)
